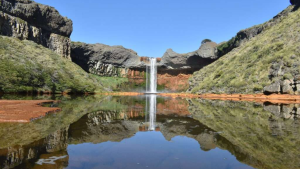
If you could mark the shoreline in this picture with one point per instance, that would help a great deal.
(259, 98)
(24, 111)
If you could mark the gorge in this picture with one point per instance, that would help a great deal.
(66, 104)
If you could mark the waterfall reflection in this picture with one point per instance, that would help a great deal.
(150, 111)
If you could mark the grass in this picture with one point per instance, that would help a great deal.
(111, 83)
(26, 67)
(247, 68)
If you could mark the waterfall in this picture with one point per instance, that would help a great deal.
(151, 79)
(151, 111)
(151, 86)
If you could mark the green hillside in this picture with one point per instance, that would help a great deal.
(269, 57)
(28, 67)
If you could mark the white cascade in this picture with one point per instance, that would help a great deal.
(151, 79)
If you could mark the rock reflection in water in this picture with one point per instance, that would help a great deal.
(261, 131)
(54, 145)
(156, 132)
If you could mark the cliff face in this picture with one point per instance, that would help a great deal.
(104, 60)
(25, 19)
(174, 69)
(205, 55)
(268, 62)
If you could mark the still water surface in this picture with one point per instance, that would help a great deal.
(155, 132)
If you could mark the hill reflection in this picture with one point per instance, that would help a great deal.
(261, 136)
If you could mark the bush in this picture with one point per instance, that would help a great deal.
(205, 41)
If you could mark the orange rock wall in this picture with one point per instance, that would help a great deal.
(173, 80)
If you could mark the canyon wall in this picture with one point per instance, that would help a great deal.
(25, 19)
(174, 69)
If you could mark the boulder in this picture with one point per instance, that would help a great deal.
(273, 88)
(208, 50)
(287, 87)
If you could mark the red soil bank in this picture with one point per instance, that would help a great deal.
(24, 110)
(260, 98)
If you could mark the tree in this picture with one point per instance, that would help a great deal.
(205, 41)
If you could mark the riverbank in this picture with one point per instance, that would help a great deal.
(260, 98)
(23, 111)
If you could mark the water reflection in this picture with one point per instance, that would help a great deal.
(150, 110)
(155, 132)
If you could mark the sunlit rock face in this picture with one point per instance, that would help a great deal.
(205, 55)
(25, 19)
(104, 60)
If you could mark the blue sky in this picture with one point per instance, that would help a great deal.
(150, 27)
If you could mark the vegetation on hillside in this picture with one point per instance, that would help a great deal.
(28, 67)
(247, 69)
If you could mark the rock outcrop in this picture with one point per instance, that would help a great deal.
(26, 19)
(95, 57)
(295, 2)
(104, 60)
(205, 55)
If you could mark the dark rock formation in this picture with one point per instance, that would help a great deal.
(203, 56)
(25, 19)
(295, 2)
(104, 60)
(22, 156)
(102, 126)
(107, 60)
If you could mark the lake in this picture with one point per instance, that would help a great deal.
(149, 131)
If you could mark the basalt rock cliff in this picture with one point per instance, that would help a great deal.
(205, 55)
(26, 19)
(104, 60)
(107, 60)
(174, 69)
